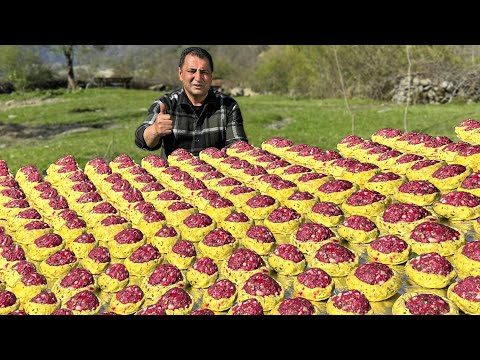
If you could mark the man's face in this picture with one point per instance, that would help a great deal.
(196, 77)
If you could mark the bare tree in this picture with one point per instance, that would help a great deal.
(69, 51)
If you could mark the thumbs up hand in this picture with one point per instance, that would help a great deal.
(163, 123)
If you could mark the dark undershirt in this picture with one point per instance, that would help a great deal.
(198, 109)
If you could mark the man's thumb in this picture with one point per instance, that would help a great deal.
(163, 108)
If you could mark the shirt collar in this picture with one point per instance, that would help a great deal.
(183, 99)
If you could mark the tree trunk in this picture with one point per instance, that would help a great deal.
(68, 52)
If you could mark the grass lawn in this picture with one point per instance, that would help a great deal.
(101, 122)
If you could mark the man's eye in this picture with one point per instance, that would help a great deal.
(205, 72)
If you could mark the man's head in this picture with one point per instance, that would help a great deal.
(195, 70)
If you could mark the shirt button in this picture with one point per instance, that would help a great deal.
(197, 140)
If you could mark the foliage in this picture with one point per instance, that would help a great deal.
(23, 67)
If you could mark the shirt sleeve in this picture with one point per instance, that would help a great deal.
(151, 116)
(235, 131)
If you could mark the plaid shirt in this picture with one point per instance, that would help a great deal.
(219, 124)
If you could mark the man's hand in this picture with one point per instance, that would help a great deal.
(163, 123)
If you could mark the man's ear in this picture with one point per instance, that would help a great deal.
(180, 73)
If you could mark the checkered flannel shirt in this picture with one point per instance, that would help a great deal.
(220, 123)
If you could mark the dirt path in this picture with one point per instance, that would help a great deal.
(14, 104)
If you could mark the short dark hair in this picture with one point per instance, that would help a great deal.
(198, 52)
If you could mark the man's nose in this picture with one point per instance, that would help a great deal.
(198, 75)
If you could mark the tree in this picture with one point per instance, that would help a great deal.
(22, 66)
(69, 51)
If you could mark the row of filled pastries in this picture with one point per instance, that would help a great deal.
(439, 148)
(286, 259)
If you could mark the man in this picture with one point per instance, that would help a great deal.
(194, 117)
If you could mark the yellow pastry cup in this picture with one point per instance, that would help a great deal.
(111, 285)
(285, 267)
(420, 200)
(81, 250)
(424, 173)
(36, 253)
(456, 212)
(69, 235)
(357, 236)
(402, 169)
(25, 293)
(260, 213)
(400, 228)
(181, 311)
(431, 281)
(399, 306)
(375, 292)
(125, 309)
(444, 248)
(254, 245)
(337, 197)
(366, 210)
(150, 229)
(164, 244)
(393, 258)
(93, 266)
(9, 277)
(8, 309)
(385, 141)
(475, 192)
(14, 224)
(63, 294)
(386, 164)
(32, 308)
(237, 229)
(334, 270)
(154, 292)
(464, 265)
(200, 280)
(451, 183)
(360, 178)
(25, 237)
(471, 161)
(107, 233)
(310, 247)
(468, 307)
(218, 214)
(142, 269)
(93, 220)
(222, 252)
(268, 302)
(312, 294)
(333, 310)
(177, 217)
(275, 310)
(123, 251)
(328, 221)
(221, 304)
(241, 199)
(302, 206)
(181, 262)
(286, 227)
(56, 271)
(312, 185)
(281, 195)
(196, 234)
(238, 277)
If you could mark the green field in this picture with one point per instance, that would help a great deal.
(101, 122)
